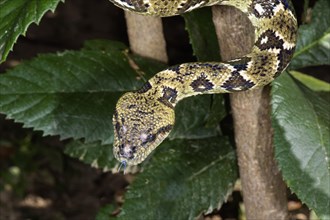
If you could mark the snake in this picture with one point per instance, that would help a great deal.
(145, 117)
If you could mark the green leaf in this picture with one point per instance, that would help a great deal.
(192, 117)
(96, 154)
(218, 110)
(71, 94)
(16, 16)
(183, 179)
(313, 45)
(301, 136)
(311, 82)
(202, 34)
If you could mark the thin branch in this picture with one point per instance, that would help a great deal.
(146, 36)
(264, 192)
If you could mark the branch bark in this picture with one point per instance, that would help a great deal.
(146, 36)
(264, 192)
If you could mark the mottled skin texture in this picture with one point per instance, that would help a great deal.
(144, 118)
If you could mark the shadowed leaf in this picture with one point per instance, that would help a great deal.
(16, 16)
(301, 120)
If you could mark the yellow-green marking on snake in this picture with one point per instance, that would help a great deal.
(144, 118)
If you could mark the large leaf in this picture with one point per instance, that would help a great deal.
(183, 179)
(313, 45)
(301, 122)
(71, 94)
(16, 16)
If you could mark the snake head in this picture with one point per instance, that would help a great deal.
(141, 123)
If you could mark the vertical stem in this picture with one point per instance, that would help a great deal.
(146, 36)
(264, 192)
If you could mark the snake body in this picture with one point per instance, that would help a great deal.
(144, 118)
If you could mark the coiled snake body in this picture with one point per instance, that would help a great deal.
(144, 118)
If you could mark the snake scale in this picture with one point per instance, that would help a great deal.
(144, 118)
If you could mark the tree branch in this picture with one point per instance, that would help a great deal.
(146, 36)
(264, 191)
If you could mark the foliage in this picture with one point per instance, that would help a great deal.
(302, 146)
(73, 94)
(314, 39)
(301, 117)
(16, 16)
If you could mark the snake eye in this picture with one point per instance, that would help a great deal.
(149, 138)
